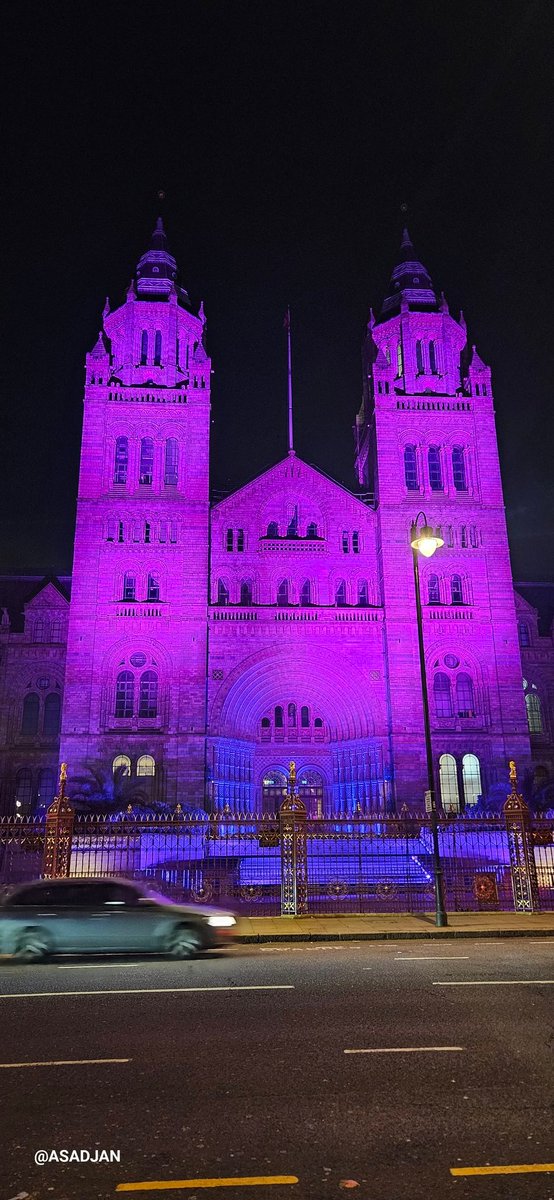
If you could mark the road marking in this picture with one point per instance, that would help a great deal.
(406, 1050)
(515, 1169)
(430, 957)
(269, 987)
(94, 966)
(160, 1185)
(65, 1062)
(542, 941)
(488, 982)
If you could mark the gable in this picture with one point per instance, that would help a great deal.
(292, 481)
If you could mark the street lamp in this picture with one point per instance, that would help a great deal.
(425, 540)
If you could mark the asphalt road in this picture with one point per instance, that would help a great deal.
(223, 1083)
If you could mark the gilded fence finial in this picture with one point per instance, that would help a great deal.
(292, 775)
(513, 775)
(63, 779)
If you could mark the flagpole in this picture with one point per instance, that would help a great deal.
(291, 439)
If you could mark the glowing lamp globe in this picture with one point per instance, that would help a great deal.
(426, 541)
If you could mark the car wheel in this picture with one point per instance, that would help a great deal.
(32, 946)
(183, 942)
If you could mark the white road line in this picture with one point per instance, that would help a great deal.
(269, 987)
(95, 966)
(430, 957)
(407, 1050)
(65, 1062)
(542, 941)
(488, 982)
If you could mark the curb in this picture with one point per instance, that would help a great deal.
(419, 935)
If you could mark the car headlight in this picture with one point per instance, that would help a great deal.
(222, 922)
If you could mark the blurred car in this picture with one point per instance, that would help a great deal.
(105, 916)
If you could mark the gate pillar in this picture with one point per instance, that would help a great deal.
(294, 859)
(522, 855)
(59, 832)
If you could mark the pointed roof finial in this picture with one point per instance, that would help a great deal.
(106, 309)
(157, 269)
(286, 324)
(410, 286)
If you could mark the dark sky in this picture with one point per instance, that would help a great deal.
(286, 136)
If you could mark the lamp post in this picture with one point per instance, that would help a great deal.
(425, 540)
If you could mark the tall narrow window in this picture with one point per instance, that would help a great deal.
(471, 778)
(435, 469)
(463, 537)
(46, 787)
(40, 630)
(124, 694)
(153, 588)
(240, 541)
(355, 542)
(456, 589)
(442, 693)
(173, 531)
(279, 722)
(51, 719)
(340, 593)
(311, 531)
(306, 593)
(433, 590)
(144, 348)
(292, 527)
(433, 358)
(283, 593)
(292, 715)
(419, 357)
(146, 765)
(448, 781)
(459, 469)
(158, 349)
(146, 460)
(147, 531)
(163, 531)
(523, 633)
(148, 695)
(23, 790)
(345, 543)
(534, 712)
(410, 469)
(29, 721)
(246, 592)
(171, 472)
(272, 530)
(473, 536)
(120, 532)
(222, 592)
(399, 359)
(363, 593)
(465, 703)
(129, 587)
(229, 541)
(305, 717)
(121, 461)
(111, 532)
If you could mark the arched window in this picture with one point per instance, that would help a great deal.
(433, 590)
(410, 469)
(121, 460)
(120, 532)
(23, 790)
(121, 766)
(40, 630)
(534, 712)
(171, 472)
(148, 696)
(162, 536)
(435, 469)
(318, 723)
(433, 358)
(274, 790)
(345, 543)
(311, 531)
(448, 781)
(456, 590)
(306, 593)
(471, 778)
(305, 717)
(147, 532)
(283, 593)
(363, 593)
(29, 720)
(124, 694)
(464, 695)
(158, 349)
(473, 536)
(111, 532)
(340, 593)
(222, 592)
(229, 541)
(129, 586)
(240, 540)
(146, 460)
(443, 695)
(419, 357)
(246, 592)
(399, 359)
(153, 588)
(523, 633)
(291, 714)
(56, 633)
(272, 530)
(51, 718)
(355, 542)
(46, 787)
(146, 765)
(144, 348)
(463, 537)
(459, 469)
(279, 722)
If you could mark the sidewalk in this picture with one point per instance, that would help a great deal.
(394, 926)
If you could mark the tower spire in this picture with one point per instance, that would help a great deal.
(289, 379)
(410, 285)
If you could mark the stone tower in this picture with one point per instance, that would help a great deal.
(426, 440)
(134, 710)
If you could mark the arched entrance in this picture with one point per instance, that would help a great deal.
(310, 786)
(274, 790)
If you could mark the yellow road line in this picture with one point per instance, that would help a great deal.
(160, 1185)
(515, 1169)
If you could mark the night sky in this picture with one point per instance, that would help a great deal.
(286, 137)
